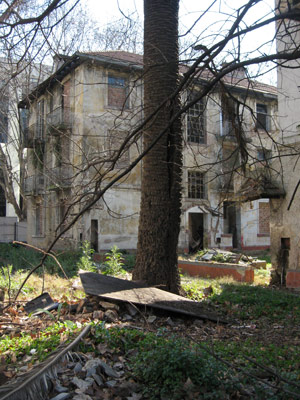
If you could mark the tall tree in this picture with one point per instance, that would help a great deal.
(161, 174)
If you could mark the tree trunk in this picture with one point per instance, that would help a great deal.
(159, 223)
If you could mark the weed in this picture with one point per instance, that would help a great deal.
(86, 262)
(114, 262)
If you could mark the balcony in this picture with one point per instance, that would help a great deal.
(32, 134)
(60, 178)
(34, 185)
(58, 120)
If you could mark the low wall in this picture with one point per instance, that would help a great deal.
(217, 270)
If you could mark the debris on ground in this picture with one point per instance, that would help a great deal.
(225, 256)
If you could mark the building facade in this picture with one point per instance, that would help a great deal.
(82, 135)
(285, 225)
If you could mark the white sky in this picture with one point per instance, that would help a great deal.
(210, 26)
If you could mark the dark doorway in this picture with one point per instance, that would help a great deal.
(94, 234)
(232, 222)
(196, 229)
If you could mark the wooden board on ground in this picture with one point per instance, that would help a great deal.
(112, 288)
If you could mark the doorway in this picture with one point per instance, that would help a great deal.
(232, 222)
(94, 235)
(196, 230)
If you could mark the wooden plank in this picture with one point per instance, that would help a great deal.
(129, 291)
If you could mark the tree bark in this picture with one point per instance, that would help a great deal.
(159, 223)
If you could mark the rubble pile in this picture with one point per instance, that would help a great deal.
(229, 257)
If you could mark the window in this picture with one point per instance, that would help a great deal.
(40, 129)
(117, 92)
(261, 116)
(196, 189)
(264, 219)
(264, 155)
(229, 116)
(39, 214)
(196, 122)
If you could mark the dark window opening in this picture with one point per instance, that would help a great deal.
(117, 92)
(196, 189)
(261, 116)
(230, 120)
(196, 123)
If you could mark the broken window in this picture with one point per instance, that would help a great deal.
(196, 122)
(117, 92)
(196, 188)
(262, 117)
(264, 218)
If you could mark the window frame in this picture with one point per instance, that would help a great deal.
(196, 121)
(115, 105)
(262, 113)
(196, 185)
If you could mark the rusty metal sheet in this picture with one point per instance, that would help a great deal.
(129, 291)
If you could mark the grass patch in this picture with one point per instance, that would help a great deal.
(252, 302)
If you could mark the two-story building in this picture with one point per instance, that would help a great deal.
(81, 136)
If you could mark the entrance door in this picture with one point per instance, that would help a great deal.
(232, 219)
(196, 229)
(94, 234)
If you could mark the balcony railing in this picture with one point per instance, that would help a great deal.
(34, 185)
(58, 120)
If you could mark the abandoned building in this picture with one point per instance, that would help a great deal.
(285, 224)
(79, 139)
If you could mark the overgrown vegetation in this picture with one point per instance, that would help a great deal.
(36, 345)
(172, 367)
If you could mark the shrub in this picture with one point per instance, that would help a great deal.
(86, 262)
(114, 262)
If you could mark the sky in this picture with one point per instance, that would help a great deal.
(210, 26)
